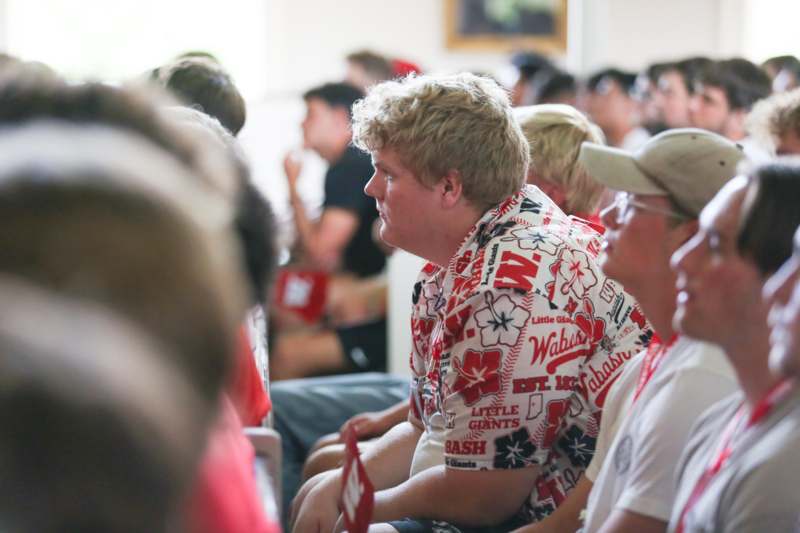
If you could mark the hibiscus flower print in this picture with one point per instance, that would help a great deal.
(478, 375)
(501, 321)
(536, 239)
(514, 450)
(574, 269)
(578, 446)
(593, 327)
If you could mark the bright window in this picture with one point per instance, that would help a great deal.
(771, 28)
(119, 39)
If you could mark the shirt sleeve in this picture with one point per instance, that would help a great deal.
(504, 392)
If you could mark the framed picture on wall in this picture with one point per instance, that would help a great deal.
(506, 25)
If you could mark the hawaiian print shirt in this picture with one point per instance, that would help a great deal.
(516, 343)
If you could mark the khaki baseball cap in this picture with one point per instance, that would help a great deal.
(688, 164)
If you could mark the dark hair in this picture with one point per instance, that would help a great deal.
(341, 95)
(743, 82)
(198, 54)
(101, 434)
(768, 226)
(255, 227)
(787, 62)
(375, 65)
(528, 64)
(80, 233)
(203, 84)
(554, 85)
(690, 69)
(654, 70)
(625, 80)
(26, 97)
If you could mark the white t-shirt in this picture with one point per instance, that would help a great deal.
(618, 403)
(756, 490)
(430, 447)
(638, 474)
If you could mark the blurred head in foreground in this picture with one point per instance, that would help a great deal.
(103, 434)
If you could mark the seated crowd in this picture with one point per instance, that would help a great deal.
(605, 334)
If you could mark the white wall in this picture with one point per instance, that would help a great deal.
(310, 38)
(317, 34)
(633, 33)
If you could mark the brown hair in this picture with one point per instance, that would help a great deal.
(203, 84)
(555, 133)
(770, 214)
(89, 231)
(103, 435)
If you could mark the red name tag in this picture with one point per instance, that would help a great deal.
(358, 494)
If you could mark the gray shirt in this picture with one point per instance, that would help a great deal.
(638, 475)
(756, 490)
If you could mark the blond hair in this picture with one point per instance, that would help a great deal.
(773, 117)
(555, 133)
(439, 124)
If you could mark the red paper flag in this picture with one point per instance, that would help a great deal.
(302, 292)
(358, 494)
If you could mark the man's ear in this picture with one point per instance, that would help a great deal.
(451, 189)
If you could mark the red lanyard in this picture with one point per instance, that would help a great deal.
(652, 359)
(760, 411)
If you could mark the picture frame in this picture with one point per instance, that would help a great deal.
(506, 25)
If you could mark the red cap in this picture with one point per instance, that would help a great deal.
(402, 68)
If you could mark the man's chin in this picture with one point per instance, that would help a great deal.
(386, 236)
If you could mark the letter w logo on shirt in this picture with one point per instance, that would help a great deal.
(516, 271)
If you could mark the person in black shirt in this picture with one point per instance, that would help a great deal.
(340, 244)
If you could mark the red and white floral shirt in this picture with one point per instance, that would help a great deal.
(516, 343)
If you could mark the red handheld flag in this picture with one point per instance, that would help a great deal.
(358, 494)
(302, 292)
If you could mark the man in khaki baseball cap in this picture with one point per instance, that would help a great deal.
(687, 165)
(663, 187)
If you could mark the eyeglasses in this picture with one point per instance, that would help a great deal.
(625, 204)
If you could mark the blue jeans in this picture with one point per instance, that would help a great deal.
(306, 409)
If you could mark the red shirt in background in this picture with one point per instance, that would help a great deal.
(247, 388)
(225, 497)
